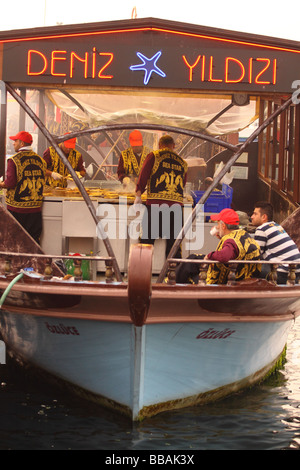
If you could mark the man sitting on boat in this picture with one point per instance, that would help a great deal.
(275, 244)
(235, 243)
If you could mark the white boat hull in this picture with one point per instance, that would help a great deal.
(144, 370)
(142, 348)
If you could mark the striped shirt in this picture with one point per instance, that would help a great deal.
(276, 245)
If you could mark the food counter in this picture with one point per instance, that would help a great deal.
(68, 226)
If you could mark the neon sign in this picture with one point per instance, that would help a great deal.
(97, 65)
(148, 65)
(234, 70)
(38, 64)
(165, 59)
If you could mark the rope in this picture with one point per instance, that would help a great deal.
(9, 287)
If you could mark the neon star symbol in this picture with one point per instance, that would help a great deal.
(149, 65)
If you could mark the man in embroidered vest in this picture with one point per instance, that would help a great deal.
(234, 244)
(57, 172)
(164, 173)
(25, 179)
(132, 159)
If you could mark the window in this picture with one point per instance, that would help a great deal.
(279, 152)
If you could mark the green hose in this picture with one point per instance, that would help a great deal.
(7, 290)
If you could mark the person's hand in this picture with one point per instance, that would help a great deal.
(56, 176)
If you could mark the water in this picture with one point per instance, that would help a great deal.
(36, 416)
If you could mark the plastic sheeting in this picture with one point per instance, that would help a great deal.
(193, 112)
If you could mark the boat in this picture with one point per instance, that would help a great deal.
(140, 344)
(138, 347)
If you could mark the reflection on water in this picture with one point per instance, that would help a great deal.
(267, 417)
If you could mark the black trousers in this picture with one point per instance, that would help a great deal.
(31, 222)
(188, 273)
(162, 222)
(281, 276)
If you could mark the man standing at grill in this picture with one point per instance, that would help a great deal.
(25, 179)
(164, 173)
(57, 172)
(132, 159)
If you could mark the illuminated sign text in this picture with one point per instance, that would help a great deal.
(233, 70)
(97, 65)
(60, 63)
(151, 57)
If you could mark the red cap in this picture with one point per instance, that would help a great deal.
(135, 139)
(23, 136)
(70, 144)
(228, 216)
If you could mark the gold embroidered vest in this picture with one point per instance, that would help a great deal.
(30, 170)
(131, 166)
(59, 167)
(248, 250)
(166, 181)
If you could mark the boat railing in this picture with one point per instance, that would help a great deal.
(49, 259)
(170, 279)
(232, 265)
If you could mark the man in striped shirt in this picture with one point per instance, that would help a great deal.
(275, 244)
